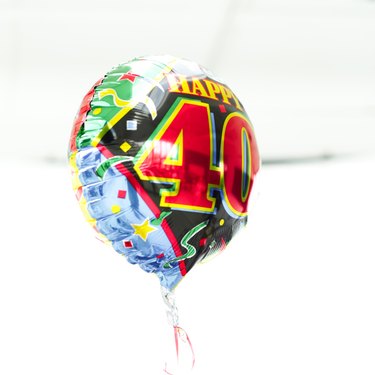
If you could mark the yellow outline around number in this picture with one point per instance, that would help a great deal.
(175, 189)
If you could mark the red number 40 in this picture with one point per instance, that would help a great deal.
(182, 152)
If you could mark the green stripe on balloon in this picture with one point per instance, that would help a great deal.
(103, 167)
(162, 216)
(191, 250)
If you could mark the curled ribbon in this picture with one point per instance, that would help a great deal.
(181, 338)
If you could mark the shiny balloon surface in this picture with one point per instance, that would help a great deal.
(164, 157)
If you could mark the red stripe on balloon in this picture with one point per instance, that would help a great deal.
(150, 203)
(81, 115)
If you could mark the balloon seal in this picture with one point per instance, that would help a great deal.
(183, 345)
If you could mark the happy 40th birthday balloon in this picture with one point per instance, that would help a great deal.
(164, 158)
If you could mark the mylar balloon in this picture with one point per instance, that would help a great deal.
(164, 159)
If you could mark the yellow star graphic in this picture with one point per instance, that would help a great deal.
(143, 230)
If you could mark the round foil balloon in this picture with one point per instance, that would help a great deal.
(164, 158)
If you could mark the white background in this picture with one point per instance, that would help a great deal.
(304, 69)
(294, 292)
